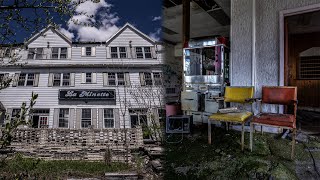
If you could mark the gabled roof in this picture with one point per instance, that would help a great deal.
(128, 25)
(54, 29)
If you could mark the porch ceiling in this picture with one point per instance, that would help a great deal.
(208, 18)
(304, 23)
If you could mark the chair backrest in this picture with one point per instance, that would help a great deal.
(238, 94)
(279, 94)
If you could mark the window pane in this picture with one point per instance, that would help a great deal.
(86, 118)
(88, 77)
(56, 79)
(66, 79)
(30, 79)
(139, 52)
(121, 81)
(112, 79)
(148, 78)
(55, 53)
(157, 79)
(88, 51)
(64, 52)
(22, 78)
(147, 52)
(63, 118)
(40, 54)
(114, 52)
(31, 53)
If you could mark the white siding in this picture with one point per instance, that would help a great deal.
(51, 37)
(12, 97)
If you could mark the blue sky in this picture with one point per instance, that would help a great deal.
(113, 14)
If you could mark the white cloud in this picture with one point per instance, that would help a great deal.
(156, 35)
(156, 18)
(91, 13)
(66, 33)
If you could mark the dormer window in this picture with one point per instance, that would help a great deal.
(143, 53)
(39, 54)
(117, 52)
(88, 51)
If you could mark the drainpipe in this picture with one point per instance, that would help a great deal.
(253, 61)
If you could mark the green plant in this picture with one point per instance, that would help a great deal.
(22, 118)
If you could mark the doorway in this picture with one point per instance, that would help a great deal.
(303, 58)
(302, 65)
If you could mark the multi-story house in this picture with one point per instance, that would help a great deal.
(112, 84)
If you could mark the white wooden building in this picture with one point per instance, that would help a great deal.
(112, 84)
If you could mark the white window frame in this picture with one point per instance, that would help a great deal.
(33, 53)
(104, 118)
(143, 51)
(123, 79)
(61, 79)
(24, 80)
(58, 53)
(124, 52)
(27, 79)
(43, 116)
(64, 118)
(88, 78)
(66, 53)
(82, 118)
(154, 79)
(151, 78)
(114, 53)
(86, 51)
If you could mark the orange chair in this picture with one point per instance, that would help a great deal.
(282, 95)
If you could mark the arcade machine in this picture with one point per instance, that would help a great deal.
(206, 73)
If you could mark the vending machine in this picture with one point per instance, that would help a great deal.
(206, 73)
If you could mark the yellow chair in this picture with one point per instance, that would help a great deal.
(241, 95)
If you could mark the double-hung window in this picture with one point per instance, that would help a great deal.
(55, 53)
(123, 52)
(86, 118)
(114, 52)
(121, 80)
(39, 53)
(139, 52)
(22, 79)
(63, 53)
(61, 79)
(64, 118)
(112, 79)
(143, 53)
(31, 53)
(108, 117)
(30, 79)
(157, 78)
(88, 77)
(88, 51)
(148, 79)
(147, 53)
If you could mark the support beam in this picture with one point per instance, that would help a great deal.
(215, 11)
(185, 22)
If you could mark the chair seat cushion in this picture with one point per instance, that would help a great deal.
(283, 120)
(231, 117)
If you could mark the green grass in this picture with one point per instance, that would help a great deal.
(194, 158)
(27, 168)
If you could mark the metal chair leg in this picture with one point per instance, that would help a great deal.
(293, 143)
(209, 131)
(242, 137)
(251, 135)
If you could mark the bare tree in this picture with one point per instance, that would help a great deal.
(33, 15)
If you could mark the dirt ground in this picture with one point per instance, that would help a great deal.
(194, 158)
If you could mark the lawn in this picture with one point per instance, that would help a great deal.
(194, 158)
(30, 168)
